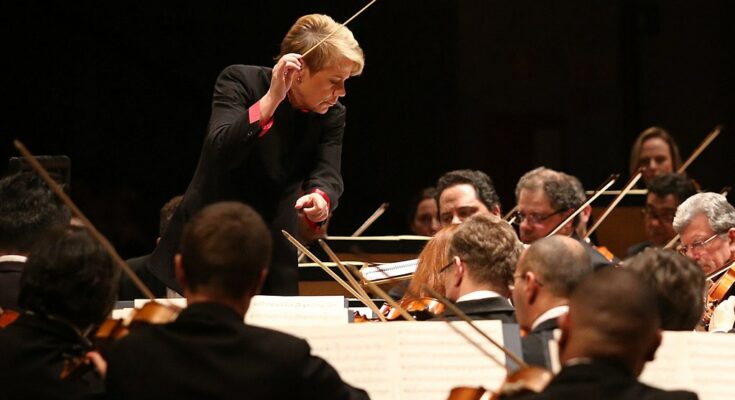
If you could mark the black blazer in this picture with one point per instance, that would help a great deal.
(535, 344)
(602, 380)
(209, 353)
(10, 272)
(301, 151)
(493, 308)
(32, 353)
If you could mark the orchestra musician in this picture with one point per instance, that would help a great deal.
(68, 285)
(545, 199)
(28, 210)
(424, 218)
(464, 193)
(482, 256)
(274, 141)
(208, 352)
(431, 259)
(546, 274)
(665, 193)
(678, 284)
(606, 339)
(656, 151)
(706, 223)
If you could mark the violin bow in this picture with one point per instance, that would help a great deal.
(676, 238)
(351, 280)
(338, 28)
(609, 182)
(370, 220)
(510, 216)
(326, 269)
(467, 319)
(382, 294)
(707, 140)
(631, 183)
(41, 171)
(362, 227)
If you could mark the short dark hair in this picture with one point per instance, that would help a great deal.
(672, 183)
(167, 212)
(69, 275)
(490, 248)
(224, 247)
(678, 283)
(479, 180)
(28, 209)
(559, 261)
(563, 190)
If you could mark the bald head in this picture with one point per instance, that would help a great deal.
(612, 315)
(559, 262)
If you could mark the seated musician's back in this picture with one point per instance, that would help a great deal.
(69, 283)
(208, 352)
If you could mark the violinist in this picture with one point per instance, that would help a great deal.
(464, 193)
(606, 339)
(656, 151)
(545, 199)
(706, 223)
(482, 256)
(208, 352)
(274, 141)
(68, 285)
(678, 284)
(544, 278)
(665, 193)
(28, 210)
(432, 258)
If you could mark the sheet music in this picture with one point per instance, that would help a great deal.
(695, 361)
(409, 360)
(277, 311)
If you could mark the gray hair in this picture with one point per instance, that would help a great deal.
(720, 214)
(564, 191)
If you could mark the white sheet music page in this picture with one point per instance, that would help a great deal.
(409, 360)
(695, 361)
(276, 311)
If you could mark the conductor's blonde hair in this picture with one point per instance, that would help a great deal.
(309, 30)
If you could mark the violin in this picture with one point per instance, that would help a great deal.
(7, 317)
(527, 379)
(111, 330)
(421, 309)
(717, 292)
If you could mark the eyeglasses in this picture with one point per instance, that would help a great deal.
(696, 246)
(665, 216)
(444, 268)
(534, 218)
(520, 276)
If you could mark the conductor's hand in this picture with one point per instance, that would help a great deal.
(314, 207)
(283, 75)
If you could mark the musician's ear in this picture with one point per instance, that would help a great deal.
(563, 322)
(650, 354)
(731, 237)
(261, 280)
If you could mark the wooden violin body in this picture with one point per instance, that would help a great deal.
(421, 309)
(7, 317)
(717, 293)
(525, 380)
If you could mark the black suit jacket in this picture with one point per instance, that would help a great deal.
(209, 353)
(535, 344)
(493, 308)
(602, 380)
(128, 290)
(10, 272)
(301, 151)
(597, 260)
(32, 353)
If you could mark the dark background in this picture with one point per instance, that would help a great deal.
(124, 89)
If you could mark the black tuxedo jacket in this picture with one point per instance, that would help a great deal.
(535, 344)
(10, 272)
(301, 151)
(493, 308)
(209, 353)
(32, 353)
(128, 290)
(602, 380)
